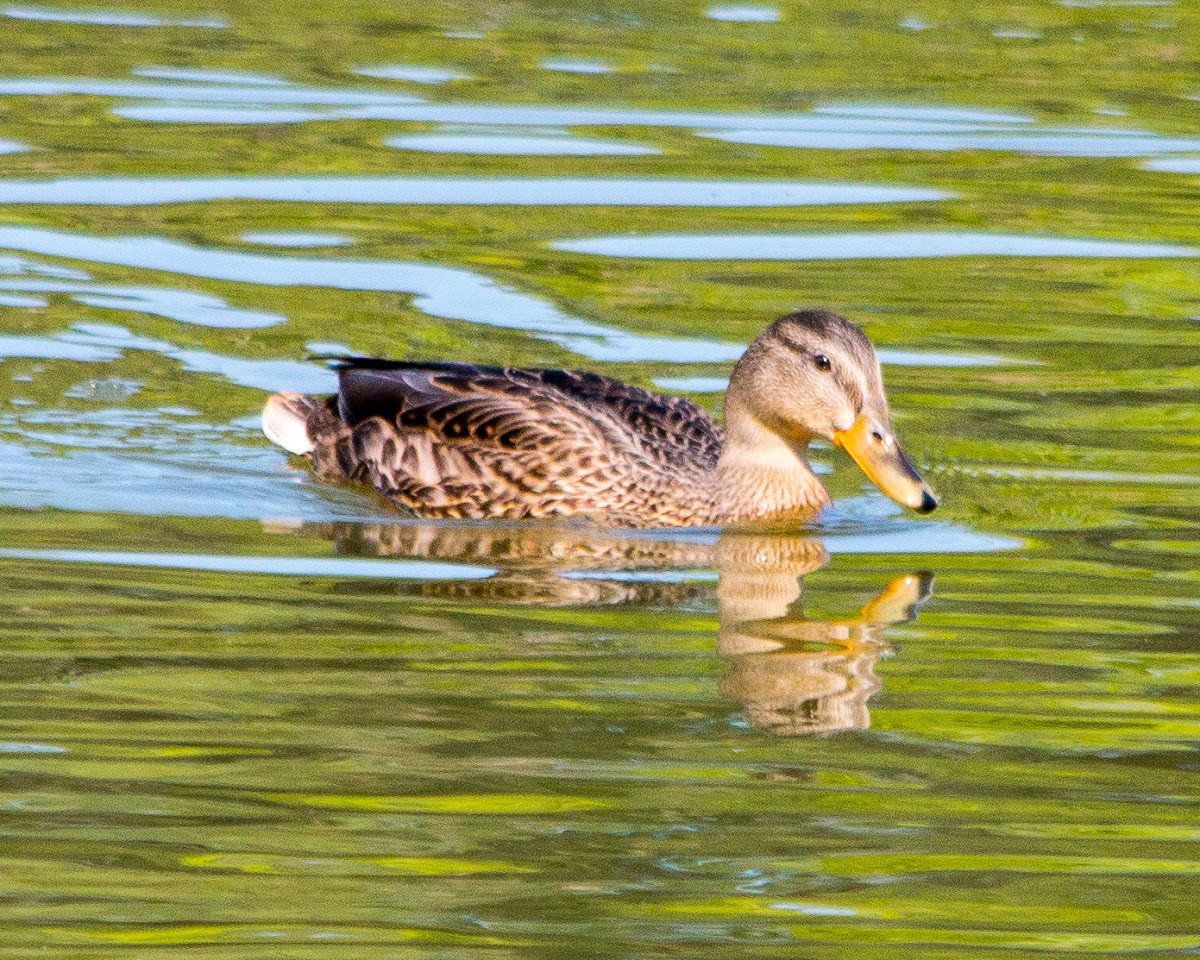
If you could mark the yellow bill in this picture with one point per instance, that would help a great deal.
(874, 448)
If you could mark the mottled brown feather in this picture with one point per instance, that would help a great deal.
(456, 440)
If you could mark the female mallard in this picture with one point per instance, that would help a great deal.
(455, 440)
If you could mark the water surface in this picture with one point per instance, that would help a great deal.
(247, 714)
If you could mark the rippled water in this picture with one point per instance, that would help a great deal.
(247, 714)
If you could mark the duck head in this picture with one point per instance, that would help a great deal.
(815, 374)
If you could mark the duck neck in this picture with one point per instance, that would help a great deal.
(761, 477)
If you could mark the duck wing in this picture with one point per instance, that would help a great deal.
(460, 440)
(672, 427)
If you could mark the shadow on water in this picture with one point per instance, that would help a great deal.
(793, 674)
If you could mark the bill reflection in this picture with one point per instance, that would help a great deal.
(794, 674)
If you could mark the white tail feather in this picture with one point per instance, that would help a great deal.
(284, 421)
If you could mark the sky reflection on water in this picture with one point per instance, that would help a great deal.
(743, 13)
(545, 144)
(412, 73)
(457, 191)
(198, 97)
(110, 18)
(829, 126)
(863, 246)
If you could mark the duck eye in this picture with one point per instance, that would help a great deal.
(822, 361)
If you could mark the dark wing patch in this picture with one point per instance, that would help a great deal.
(459, 403)
(424, 395)
(670, 426)
(381, 388)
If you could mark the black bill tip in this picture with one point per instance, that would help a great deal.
(928, 502)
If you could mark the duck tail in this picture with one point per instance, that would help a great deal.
(285, 421)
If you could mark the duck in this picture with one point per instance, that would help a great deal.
(460, 441)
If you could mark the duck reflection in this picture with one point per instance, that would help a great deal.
(793, 675)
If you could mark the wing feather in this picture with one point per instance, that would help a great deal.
(670, 426)
(464, 441)
(461, 441)
(667, 426)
